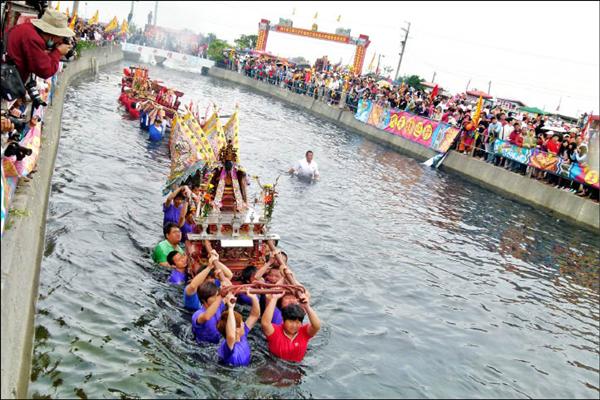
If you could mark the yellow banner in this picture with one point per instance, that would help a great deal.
(231, 130)
(94, 19)
(112, 25)
(124, 27)
(73, 20)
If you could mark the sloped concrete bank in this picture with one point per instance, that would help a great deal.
(565, 205)
(23, 243)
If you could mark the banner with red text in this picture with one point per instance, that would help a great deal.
(411, 127)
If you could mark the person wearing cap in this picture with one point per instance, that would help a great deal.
(37, 46)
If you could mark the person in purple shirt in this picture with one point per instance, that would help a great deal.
(215, 272)
(179, 263)
(187, 224)
(235, 350)
(204, 320)
(174, 204)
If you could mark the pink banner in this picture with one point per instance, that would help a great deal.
(411, 127)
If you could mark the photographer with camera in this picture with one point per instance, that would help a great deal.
(37, 46)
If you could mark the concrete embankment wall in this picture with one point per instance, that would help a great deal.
(23, 244)
(526, 190)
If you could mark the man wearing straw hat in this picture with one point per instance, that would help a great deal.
(37, 46)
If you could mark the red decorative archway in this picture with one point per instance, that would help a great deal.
(361, 43)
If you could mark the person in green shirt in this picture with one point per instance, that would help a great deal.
(171, 243)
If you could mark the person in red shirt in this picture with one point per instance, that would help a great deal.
(553, 145)
(34, 46)
(289, 340)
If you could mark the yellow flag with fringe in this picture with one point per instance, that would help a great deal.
(73, 21)
(232, 129)
(57, 5)
(124, 27)
(112, 25)
(94, 19)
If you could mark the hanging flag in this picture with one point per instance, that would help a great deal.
(214, 132)
(316, 15)
(435, 92)
(67, 12)
(112, 25)
(58, 5)
(372, 63)
(477, 115)
(339, 18)
(231, 130)
(124, 27)
(94, 19)
(73, 20)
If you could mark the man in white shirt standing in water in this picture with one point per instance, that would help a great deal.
(306, 167)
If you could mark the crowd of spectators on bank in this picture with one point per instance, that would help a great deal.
(35, 49)
(338, 86)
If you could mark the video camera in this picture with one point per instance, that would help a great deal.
(71, 42)
(15, 149)
(32, 90)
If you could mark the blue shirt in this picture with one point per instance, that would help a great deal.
(192, 302)
(171, 214)
(239, 356)
(277, 317)
(177, 277)
(156, 133)
(207, 331)
(185, 229)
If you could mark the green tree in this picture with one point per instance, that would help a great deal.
(246, 42)
(414, 81)
(215, 50)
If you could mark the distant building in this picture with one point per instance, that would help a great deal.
(510, 104)
(473, 95)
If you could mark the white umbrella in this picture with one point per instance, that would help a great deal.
(554, 128)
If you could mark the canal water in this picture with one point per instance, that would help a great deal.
(427, 285)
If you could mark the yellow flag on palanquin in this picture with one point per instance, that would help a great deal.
(112, 25)
(124, 27)
(94, 19)
(57, 5)
(73, 20)
(232, 129)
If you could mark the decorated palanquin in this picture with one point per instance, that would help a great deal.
(139, 91)
(227, 219)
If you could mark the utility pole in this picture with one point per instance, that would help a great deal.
(489, 86)
(403, 43)
(468, 83)
(130, 16)
(378, 60)
(433, 79)
(155, 12)
(75, 7)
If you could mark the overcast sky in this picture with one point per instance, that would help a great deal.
(536, 52)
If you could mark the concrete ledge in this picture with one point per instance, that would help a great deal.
(526, 190)
(23, 244)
